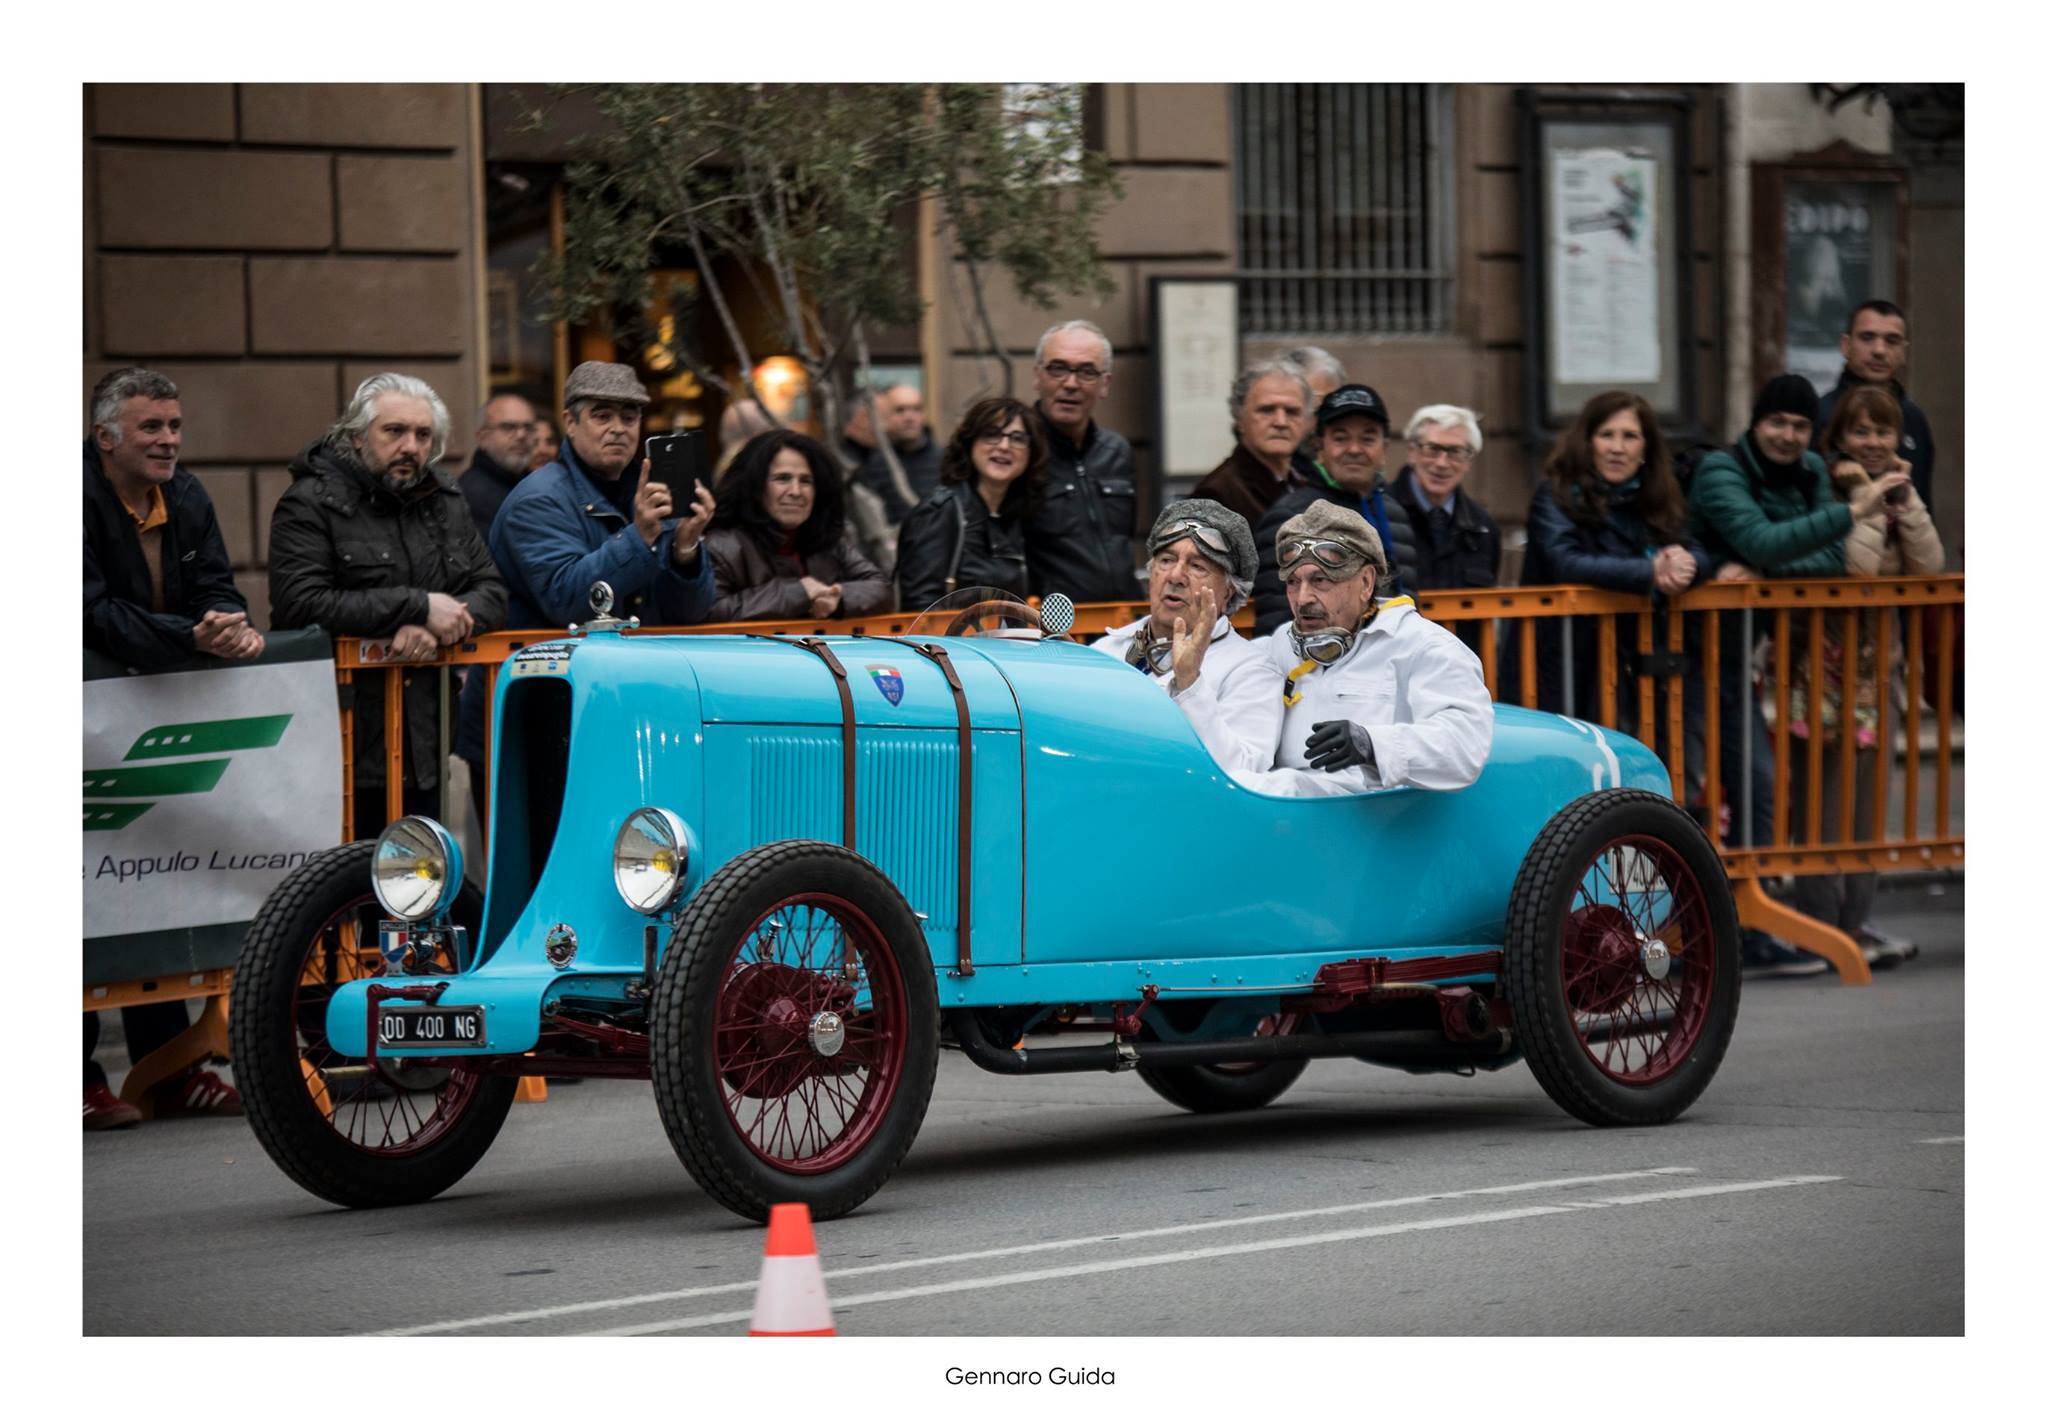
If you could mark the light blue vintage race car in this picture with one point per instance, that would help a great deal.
(776, 876)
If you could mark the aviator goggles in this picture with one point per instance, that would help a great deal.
(1207, 538)
(1330, 555)
(1151, 653)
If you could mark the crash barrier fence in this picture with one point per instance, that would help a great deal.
(1659, 670)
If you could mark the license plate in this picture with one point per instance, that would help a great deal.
(459, 1026)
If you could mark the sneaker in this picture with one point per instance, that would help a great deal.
(1770, 957)
(103, 1110)
(1882, 950)
(198, 1091)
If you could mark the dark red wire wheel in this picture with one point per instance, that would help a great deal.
(357, 1132)
(794, 1030)
(1635, 896)
(1620, 961)
(810, 1035)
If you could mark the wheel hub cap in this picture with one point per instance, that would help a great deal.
(1656, 960)
(828, 1033)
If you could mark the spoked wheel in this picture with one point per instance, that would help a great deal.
(795, 1035)
(360, 1134)
(1243, 1084)
(1621, 958)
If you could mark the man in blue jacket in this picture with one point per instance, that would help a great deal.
(589, 517)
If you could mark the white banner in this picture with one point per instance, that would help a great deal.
(203, 789)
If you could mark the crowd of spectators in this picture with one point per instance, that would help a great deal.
(373, 539)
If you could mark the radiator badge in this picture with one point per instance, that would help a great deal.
(889, 681)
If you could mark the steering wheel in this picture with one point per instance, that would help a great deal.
(976, 620)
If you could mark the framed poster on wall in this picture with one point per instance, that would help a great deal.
(1606, 192)
(1195, 353)
(1828, 233)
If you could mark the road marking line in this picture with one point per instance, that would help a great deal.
(649, 1298)
(1944, 1139)
(1202, 1254)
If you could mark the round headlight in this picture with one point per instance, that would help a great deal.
(650, 859)
(417, 869)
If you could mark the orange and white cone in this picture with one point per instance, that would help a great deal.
(791, 1298)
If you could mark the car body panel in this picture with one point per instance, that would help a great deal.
(1110, 853)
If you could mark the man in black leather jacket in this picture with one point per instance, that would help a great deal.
(1079, 539)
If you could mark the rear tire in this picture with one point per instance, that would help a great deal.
(355, 1134)
(1613, 877)
(1222, 1089)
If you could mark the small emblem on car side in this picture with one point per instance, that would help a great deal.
(889, 681)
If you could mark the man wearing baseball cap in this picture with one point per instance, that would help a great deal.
(1351, 442)
(1375, 695)
(1201, 571)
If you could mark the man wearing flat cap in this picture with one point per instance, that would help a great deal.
(1202, 562)
(592, 516)
(1375, 695)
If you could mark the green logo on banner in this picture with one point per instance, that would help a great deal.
(193, 777)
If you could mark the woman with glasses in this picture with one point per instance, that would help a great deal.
(779, 546)
(970, 531)
(1608, 513)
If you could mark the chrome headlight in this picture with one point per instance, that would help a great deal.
(650, 859)
(417, 869)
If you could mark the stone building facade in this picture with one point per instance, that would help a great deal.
(268, 246)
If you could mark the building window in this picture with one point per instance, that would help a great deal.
(1344, 208)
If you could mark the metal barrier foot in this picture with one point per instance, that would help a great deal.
(205, 1039)
(1757, 908)
(534, 1090)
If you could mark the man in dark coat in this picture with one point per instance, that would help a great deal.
(901, 410)
(1351, 430)
(1079, 540)
(1457, 543)
(158, 585)
(1270, 405)
(370, 540)
(506, 436)
(1874, 353)
(158, 590)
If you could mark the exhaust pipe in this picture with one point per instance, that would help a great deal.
(1116, 1055)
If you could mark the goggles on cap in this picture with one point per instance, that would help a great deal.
(1330, 555)
(1209, 538)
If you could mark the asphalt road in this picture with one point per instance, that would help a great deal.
(1816, 1188)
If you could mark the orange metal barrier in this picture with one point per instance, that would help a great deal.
(1693, 632)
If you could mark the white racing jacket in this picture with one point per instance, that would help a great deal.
(1234, 705)
(1418, 690)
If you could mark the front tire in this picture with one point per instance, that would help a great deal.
(1621, 961)
(795, 1031)
(357, 1134)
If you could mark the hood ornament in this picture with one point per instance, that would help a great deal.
(602, 618)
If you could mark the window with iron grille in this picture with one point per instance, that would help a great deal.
(1343, 208)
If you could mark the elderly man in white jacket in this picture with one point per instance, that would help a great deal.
(1203, 562)
(1375, 695)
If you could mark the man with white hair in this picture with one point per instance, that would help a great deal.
(1324, 373)
(372, 540)
(1078, 541)
(1202, 563)
(1457, 542)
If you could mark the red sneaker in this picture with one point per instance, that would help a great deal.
(198, 1091)
(104, 1111)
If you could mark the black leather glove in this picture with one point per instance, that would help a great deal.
(1338, 744)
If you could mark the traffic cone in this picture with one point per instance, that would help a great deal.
(791, 1298)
